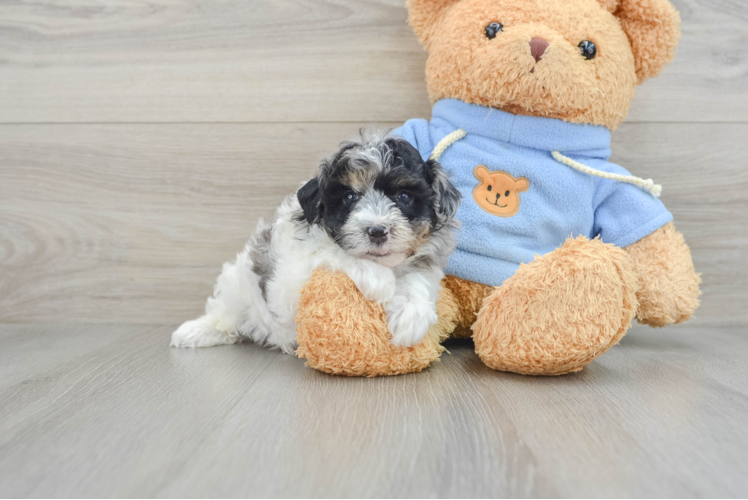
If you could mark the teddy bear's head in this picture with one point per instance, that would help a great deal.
(577, 60)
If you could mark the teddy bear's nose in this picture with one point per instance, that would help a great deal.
(538, 46)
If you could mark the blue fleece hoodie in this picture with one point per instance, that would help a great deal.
(555, 201)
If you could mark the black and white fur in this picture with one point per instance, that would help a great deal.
(376, 212)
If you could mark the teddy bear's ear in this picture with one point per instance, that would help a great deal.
(653, 29)
(424, 16)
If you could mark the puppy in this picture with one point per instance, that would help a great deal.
(376, 212)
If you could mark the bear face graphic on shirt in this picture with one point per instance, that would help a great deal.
(498, 192)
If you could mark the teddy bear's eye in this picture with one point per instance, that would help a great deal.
(490, 187)
(589, 49)
(492, 29)
(506, 194)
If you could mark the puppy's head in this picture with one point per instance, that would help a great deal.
(378, 199)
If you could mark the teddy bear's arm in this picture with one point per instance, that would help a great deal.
(668, 289)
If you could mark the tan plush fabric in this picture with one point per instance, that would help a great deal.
(560, 311)
(342, 333)
(610, 5)
(668, 289)
(653, 28)
(634, 42)
(468, 297)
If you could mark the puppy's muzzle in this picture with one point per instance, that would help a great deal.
(378, 234)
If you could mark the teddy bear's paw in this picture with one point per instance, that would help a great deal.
(342, 333)
(409, 320)
(375, 282)
(559, 312)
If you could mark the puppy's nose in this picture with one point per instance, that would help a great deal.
(538, 46)
(377, 234)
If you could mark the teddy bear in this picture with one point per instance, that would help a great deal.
(559, 249)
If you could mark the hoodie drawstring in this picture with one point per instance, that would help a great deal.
(646, 184)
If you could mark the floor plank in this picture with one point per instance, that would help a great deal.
(197, 61)
(662, 414)
(126, 418)
(29, 349)
(130, 223)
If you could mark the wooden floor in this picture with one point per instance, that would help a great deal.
(139, 144)
(111, 411)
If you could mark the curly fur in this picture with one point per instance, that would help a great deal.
(377, 212)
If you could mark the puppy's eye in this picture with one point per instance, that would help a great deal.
(350, 199)
(490, 187)
(492, 29)
(404, 198)
(589, 49)
(506, 194)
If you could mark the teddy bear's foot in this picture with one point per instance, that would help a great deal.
(668, 290)
(342, 333)
(559, 312)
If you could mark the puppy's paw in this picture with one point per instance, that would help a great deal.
(375, 282)
(408, 321)
(200, 333)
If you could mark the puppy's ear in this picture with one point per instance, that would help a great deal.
(653, 29)
(424, 16)
(447, 197)
(310, 200)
